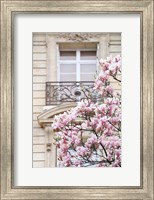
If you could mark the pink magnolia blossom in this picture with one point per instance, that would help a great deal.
(90, 134)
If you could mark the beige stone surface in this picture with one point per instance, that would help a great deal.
(39, 156)
(38, 131)
(38, 164)
(39, 37)
(39, 71)
(39, 94)
(39, 86)
(38, 140)
(37, 148)
(37, 109)
(39, 102)
(39, 64)
(39, 79)
(39, 49)
(39, 56)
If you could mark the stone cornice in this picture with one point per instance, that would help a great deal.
(78, 37)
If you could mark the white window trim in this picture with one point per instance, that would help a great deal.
(78, 65)
(58, 63)
(77, 61)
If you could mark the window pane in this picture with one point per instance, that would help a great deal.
(67, 55)
(67, 68)
(67, 77)
(88, 68)
(87, 77)
(88, 55)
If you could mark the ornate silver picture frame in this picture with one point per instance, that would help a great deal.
(8, 190)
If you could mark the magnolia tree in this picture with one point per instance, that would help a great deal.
(89, 135)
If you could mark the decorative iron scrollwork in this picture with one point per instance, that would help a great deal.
(59, 92)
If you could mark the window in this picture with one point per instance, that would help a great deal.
(77, 65)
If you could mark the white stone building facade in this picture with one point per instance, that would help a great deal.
(61, 58)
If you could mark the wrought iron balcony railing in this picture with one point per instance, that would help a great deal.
(60, 92)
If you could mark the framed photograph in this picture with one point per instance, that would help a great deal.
(77, 100)
(74, 82)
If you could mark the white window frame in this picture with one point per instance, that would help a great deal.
(78, 62)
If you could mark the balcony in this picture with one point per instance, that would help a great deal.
(63, 92)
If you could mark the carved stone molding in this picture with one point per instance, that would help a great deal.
(78, 37)
(45, 119)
